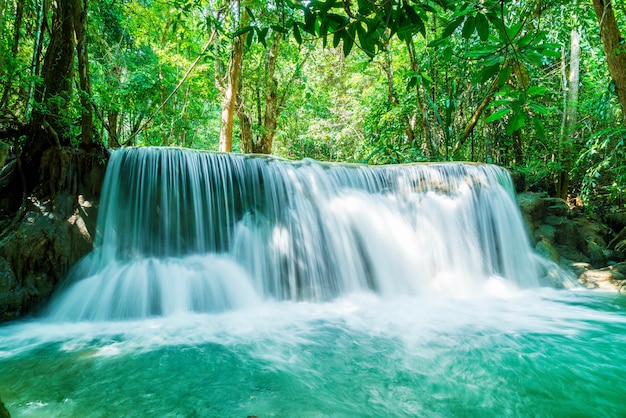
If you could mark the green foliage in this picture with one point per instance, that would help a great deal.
(361, 81)
(602, 165)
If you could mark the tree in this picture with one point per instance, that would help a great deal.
(228, 84)
(614, 48)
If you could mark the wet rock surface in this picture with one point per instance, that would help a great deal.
(49, 231)
(593, 247)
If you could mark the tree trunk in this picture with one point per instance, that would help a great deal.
(614, 48)
(36, 59)
(112, 123)
(245, 127)
(270, 120)
(570, 116)
(2, 6)
(80, 27)
(230, 89)
(57, 72)
(17, 28)
(469, 128)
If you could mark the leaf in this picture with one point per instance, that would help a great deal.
(243, 30)
(365, 7)
(249, 10)
(480, 52)
(534, 58)
(525, 40)
(436, 42)
(498, 114)
(539, 128)
(489, 72)
(280, 29)
(482, 26)
(468, 27)
(534, 91)
(309, 22)
(452, 26)
(296, 33)
(249, 39)
(337, 37)
(504, 76)
(516, 122)
(542, 110)
(262, 34)
(514, 30)
(348, 42)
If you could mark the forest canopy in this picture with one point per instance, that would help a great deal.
(535, 85)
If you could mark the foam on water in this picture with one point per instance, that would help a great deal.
(537, 352)
(224, 285)
(185, 231)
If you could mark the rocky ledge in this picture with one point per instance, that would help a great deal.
(46, 232)
(591, 246)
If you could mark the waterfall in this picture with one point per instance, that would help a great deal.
(183, 230)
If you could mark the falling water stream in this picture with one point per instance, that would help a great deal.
(226, 286)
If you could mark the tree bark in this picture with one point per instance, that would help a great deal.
(17, 28)
(270, 119)
(469, 128)
(614, 48)
(570, 116)
(57, 73)
(427, 146)
(80, 28)
(230, 89)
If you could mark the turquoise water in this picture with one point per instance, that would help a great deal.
(530, 353)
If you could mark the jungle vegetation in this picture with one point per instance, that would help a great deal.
(535, 85)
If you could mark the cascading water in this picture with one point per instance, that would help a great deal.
(231, 286)
(192, 231)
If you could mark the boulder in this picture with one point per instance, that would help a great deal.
(608, 278)
(52, 229)
(565, 235)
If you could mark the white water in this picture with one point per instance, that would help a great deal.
(230, 286)
(185, 231)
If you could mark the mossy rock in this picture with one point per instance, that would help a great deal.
(545, 249)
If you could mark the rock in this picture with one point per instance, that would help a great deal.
(545, 249)
(566, 235)
(4, 412)
(557, 207)
(55, 230)
(532, 207)
(608, 278)
(616, 220)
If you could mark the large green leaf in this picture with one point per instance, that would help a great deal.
(498, 114)
(516, 122)
(468, 26)
(482, 27)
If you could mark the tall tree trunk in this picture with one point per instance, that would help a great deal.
(614, 48)
(57, 73)
(80, 27)
(17, 28)
(245, 126)
(469, 128)
(423, 119)
(36, 59)
(570, 116)
(2, 34)
(230, 89)
(270, 119)
(112, 123)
